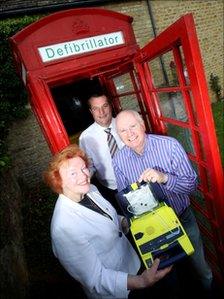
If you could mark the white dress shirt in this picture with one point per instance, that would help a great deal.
(91, 247)
(93, 141)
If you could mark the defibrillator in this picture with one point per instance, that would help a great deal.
(156, 229)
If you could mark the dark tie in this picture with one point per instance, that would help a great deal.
(112, 144)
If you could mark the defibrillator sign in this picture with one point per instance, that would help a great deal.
(80, 46)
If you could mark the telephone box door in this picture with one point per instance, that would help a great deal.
(176, 96)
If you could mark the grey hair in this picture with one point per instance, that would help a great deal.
(136, 115)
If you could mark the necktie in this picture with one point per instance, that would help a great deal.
(112, 144)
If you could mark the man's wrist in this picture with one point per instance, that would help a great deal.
(165, 178)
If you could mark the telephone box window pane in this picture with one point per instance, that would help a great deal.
(123, 84)
(172, 105)
(137, 81)
(208, 243)
(205, 180)
(195, 166)
(202, 149)
(149, 124)
(203, 220)
(209, 182)
(183, 135)
(129, 102)
(186, 76)
(198, 197)
(192, 104)
(164, 71)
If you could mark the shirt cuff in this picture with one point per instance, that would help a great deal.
(121, 290)
(171, 182)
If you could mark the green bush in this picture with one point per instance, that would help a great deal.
(216, 87)
(13, 96)
(218, 114)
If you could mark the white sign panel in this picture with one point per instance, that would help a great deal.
(80, 46)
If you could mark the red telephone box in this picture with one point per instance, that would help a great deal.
(164, 81)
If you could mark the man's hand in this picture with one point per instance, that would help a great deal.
(152, 175)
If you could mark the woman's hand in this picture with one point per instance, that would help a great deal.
(152, 175)
(148, 278)
(152, 275)
(125, 225)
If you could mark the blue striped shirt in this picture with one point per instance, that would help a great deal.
(166, 155)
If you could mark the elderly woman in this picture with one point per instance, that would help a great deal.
(87, 235)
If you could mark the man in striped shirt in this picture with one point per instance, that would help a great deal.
(161, 159)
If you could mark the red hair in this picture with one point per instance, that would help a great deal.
(51, 176)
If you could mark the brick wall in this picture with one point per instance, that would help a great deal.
(208, 17)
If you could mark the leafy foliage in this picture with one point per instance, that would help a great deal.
(13, 97)
(218, 114)
(215, 86)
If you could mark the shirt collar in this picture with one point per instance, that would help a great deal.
(103, 128)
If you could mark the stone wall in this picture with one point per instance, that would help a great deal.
(29, 150)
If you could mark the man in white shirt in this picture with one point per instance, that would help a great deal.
(94, 142)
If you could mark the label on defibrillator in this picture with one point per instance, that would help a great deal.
(140, 199)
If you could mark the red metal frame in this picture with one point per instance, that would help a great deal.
(182, 33)
(57, 28)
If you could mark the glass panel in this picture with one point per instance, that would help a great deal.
(137, 81)
(183, 135)
(205, 175)
(208, 243)
(187, 80)
(164, 71)
(195, 166)
(75, 138)
(202, 220)
(198, 197)
(149, 124)
(172, 105)
(123, 83)
(189, 98)
(129, 102)
(158, 76)
(202, 149)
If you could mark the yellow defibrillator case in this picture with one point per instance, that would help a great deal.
(158, 232)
